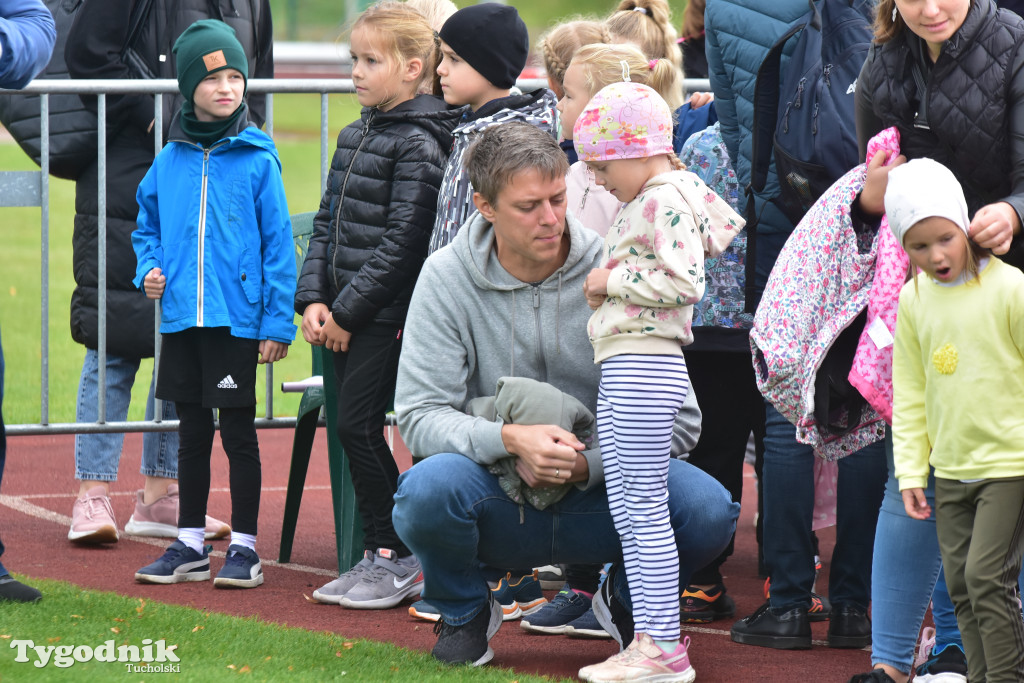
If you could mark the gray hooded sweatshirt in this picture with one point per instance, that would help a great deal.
(470, 322)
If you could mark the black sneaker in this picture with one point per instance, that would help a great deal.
(787, 631)
(468, 643)
(699, 606)
(15, 591)
(944, 665)
(849, 627)
(611, 614)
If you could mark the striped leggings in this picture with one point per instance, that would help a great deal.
(637, 403)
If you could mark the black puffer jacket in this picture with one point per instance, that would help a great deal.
(370, 235)
(94, 45)
(968, 112)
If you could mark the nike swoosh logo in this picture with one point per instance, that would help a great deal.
(403, 584)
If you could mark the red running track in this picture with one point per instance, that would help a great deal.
(35, 509)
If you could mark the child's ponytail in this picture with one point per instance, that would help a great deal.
(665, 78)
(648, 25)
(607, 64)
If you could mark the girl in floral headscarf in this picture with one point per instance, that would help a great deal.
(643, 297)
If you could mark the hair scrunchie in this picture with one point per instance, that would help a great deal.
(641, 9)
(651, 64)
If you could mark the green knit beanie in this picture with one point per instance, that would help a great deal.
(203, 48)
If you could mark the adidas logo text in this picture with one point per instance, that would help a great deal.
(227, 383)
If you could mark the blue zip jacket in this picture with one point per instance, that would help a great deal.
(221, 235)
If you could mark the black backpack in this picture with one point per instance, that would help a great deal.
(805, 118)
(73, 138)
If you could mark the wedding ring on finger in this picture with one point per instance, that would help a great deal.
(558, 473)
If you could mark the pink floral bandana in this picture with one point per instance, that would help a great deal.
(624, 121)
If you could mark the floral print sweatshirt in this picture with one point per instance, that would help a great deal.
(656, 249)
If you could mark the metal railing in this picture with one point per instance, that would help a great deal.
(32, 188)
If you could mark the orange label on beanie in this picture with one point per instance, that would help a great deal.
(215, 60)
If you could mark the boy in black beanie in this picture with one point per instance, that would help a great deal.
(484, 49)
(214, 242)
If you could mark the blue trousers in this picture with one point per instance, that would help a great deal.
(788, 508)
(452, 513)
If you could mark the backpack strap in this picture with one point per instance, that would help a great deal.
(139, 15)
(137, 19)
(766, 115)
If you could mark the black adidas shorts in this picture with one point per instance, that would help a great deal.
(207, 365)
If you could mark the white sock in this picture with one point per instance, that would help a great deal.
(667, 646)
(244, 540)
(193, 538)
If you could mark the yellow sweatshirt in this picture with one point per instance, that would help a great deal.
(958, 378)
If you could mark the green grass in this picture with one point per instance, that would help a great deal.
(296, 128)
(210, 646)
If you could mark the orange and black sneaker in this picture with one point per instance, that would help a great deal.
(702, 606)
(820, 609)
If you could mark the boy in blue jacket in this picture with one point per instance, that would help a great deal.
(214, 242)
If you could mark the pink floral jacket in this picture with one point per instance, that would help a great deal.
(655, 250)
(871, 373)
(818, 286)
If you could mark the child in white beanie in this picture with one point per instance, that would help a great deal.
(958, 379)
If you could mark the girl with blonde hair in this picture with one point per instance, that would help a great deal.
(592, 68)
(369, 241)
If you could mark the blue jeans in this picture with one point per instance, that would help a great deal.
(788, 508)
(97, 455)
(454, 516)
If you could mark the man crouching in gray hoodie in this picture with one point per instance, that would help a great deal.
(505, 299)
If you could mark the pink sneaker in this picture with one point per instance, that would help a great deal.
(160, 518)
(92, 518)
(643, 660)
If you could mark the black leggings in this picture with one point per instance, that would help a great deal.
(238, 436)
(365, 378)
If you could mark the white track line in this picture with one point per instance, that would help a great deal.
(19, 504)
(116, 494)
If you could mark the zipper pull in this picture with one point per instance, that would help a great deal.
(583, 202)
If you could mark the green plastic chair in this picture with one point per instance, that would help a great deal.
(348, 530)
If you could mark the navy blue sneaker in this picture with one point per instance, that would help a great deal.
(178, 564)
(242, 569)
(586, 626)
(552, 618)
(518, 596)
(421, 609)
